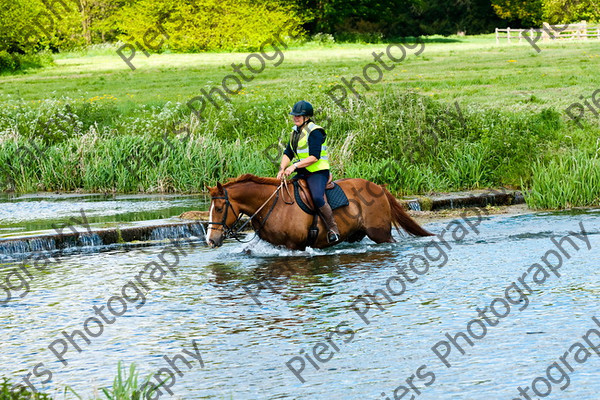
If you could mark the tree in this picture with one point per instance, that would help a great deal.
(449, 17)
(104, 19)
(526, 13)
(394, 18)
(198, 25)
(16, 33)
(568, 11)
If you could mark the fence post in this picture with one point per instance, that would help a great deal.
(545, 29)
(508, 34)
(520, 35)
(497, 40)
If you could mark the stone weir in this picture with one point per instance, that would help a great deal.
(194, 226)
(473, 198)
(19, 247)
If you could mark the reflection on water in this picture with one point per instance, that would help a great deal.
(305, 295)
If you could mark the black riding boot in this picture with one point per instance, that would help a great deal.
(333, 233)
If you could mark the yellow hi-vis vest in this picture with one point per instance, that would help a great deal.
(302, 149)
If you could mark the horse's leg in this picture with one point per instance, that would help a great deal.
(356, 236)
(376, 212)
(380, 234)
(294, 245)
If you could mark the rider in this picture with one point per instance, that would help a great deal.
(309, 148)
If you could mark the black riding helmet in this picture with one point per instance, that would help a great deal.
(302, 108)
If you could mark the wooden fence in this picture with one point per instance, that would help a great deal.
(580, 31)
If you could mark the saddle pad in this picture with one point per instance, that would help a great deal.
(335, 197)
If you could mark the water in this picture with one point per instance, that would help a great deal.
(244, 345)
(34, 212)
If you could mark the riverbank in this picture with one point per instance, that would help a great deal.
(457, 116)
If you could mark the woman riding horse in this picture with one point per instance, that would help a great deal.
(371, 211)
(308, 148)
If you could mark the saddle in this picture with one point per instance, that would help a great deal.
(335, 197)
(334, 194)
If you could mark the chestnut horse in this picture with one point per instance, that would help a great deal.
(277, 218)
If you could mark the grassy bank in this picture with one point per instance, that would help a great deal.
(464, 114)
(127, 385)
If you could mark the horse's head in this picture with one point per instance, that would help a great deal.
(222, 216)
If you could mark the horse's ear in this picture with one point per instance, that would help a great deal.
(219, 187)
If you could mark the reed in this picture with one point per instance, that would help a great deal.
(565, 182)
(410, 142)
(126, 386)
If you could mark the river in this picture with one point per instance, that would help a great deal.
(308, 334)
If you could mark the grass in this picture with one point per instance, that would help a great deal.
(570, 181)
(99, 126)
(126, 386)
(472, 70)
(8, 393)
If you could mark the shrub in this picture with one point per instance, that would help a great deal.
(13, 62)
(323, 38)
(9, 62)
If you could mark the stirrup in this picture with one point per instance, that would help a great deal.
(332, 237)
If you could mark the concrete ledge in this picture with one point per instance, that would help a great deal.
(158, 231)
(475, 198)
(100, 237)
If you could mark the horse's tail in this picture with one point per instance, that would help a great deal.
(400, 217)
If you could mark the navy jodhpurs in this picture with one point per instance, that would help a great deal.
(316, 183)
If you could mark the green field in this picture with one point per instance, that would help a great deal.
(512, 128)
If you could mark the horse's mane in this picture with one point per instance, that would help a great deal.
(252, 178)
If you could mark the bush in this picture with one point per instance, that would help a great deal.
(9, 62)
(323, 38)
(13, 62)
(359, 37)
(413, 143)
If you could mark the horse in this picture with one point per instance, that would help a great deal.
(371, 212)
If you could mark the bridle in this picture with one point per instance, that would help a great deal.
(233, 232)
(228, 232)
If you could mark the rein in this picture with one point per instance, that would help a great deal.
(234, 232)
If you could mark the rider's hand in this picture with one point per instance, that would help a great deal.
(289, 170)
(280, 174)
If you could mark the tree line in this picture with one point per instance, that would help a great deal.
(28, 26)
